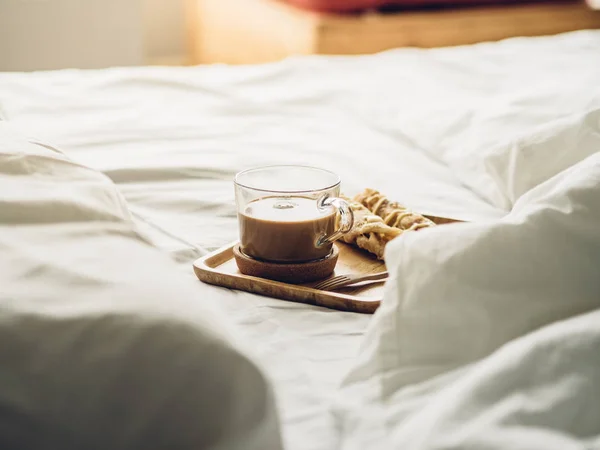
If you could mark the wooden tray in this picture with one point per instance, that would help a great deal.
(219, 268)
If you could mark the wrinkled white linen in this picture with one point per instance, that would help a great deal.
(104, 343)
(459, 293)
(420, 125)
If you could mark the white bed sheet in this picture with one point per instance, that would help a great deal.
(102, 337)
(401, 121)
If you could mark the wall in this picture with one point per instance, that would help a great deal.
(55, 34)
(165, 33)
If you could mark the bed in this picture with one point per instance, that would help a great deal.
(423, 126)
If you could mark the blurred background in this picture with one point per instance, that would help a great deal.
(56, 34)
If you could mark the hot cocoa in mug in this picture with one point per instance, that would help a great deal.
(290, 214)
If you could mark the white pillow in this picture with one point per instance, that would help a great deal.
(536, 157)
(459, 292)
(40, 184)
(104, 343)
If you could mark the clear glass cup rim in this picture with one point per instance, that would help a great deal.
(237, 177)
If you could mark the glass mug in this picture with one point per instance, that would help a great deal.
(290, 214)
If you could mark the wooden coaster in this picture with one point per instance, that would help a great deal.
(289, 272)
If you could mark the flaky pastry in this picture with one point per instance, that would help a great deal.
(392, 213)
(369, 231)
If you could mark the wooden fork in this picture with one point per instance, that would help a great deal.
(346, 280)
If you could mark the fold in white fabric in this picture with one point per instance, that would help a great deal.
(448, 360)
(104, 344)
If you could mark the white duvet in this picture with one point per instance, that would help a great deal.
(449, 361)
(104, 345)
(477, 344)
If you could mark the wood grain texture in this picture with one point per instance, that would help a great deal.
(256, 31)
(460, 26)
(288, 272)
(219, 268)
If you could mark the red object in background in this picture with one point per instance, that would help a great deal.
(342, 6)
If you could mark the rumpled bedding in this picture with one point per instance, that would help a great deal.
(104, 344)
(489, 133)
(454, 358)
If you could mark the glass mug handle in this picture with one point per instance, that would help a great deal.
(346, 218)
